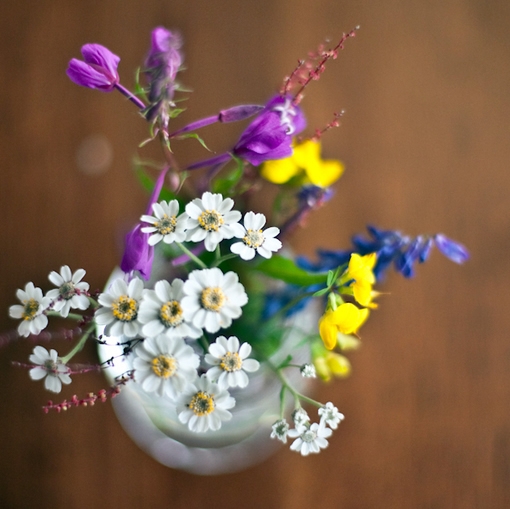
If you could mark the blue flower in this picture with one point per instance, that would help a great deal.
(391, 246)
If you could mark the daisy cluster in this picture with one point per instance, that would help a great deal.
(163, 321)
(194, 341)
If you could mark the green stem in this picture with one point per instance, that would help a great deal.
(223, 259)
(196, 259)
(71, 316)
(93, 302)
(291, 304)
(298, 397)
(79, 346)
(217, 253)
(282, 401)
(204, 343)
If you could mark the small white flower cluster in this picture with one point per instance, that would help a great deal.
(309, 437)
(210, 219)
(70, 293)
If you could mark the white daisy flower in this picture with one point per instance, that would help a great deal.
(254, 239)
(165, 366)
(204, 406)
(309, 439)
(300, 417)
(120, 308)
(280, 430)
(71, 292)
(165, 226)
(212, 220)
(212, 299)
(161, 312)
(330, 415)
(31, 310)
(230, 362)
(49, 366)
(308, 371)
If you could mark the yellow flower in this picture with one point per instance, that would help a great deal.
(305, 158)
(360, 270)
(346, 318)
(332, 364)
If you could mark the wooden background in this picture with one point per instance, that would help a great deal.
(425, 140)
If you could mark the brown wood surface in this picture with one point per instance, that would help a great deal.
(425, 140)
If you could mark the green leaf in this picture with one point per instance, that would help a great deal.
(175, 112)
(321, 292)
(196, 137)
(148, 182)
(285, 362)
(225, 185)
(286, 270)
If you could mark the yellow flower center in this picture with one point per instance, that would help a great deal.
(253, 238)
(212, 299)
(125, 309)
(171, 313)
(202, 404)
(164, 366)
(166, 225)
(231, 361)
(210, 220)
(30, 310)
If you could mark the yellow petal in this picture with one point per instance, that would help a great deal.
(348, 318)
(362, 293)
(360, 267)
(321, 366)
(348, 342)
(338, 364)
(326, 173)
(307, 154)
(328, 330)
(279, 171)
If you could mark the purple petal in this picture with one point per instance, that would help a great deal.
(98, 71)
(453, 250)
(138, 254)
(101, 58)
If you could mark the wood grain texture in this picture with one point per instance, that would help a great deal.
(425, 140)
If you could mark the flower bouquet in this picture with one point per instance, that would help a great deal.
(211, 328)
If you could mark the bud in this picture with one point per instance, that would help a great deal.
(98, 69)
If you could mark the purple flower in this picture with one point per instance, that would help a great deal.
(98, 70)
(164, 55)
(291, 117)
(161, 67)
(138, 254)
(269, 136)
